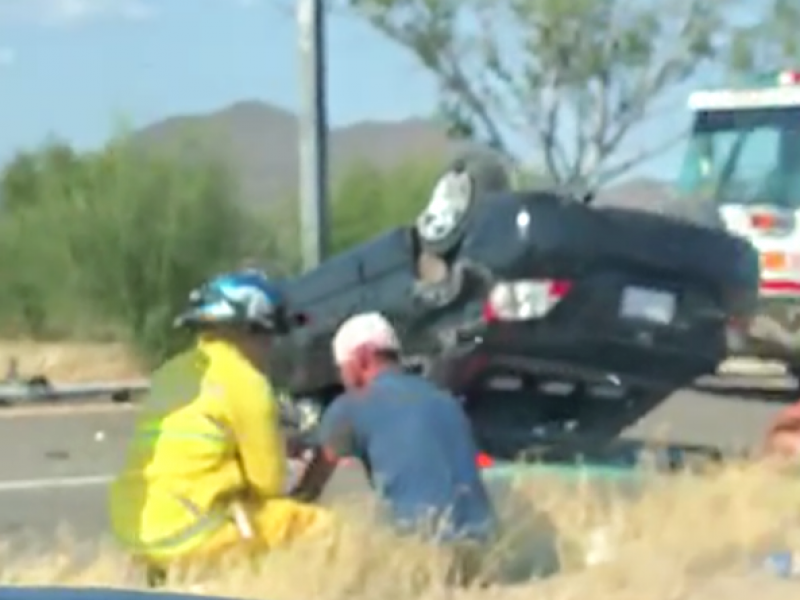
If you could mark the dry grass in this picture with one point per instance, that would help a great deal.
(685, 538)
(70, 362)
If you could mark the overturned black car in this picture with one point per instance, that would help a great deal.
(497, 293)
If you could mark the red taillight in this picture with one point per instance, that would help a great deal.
(488, 313)
(524, 300)
(484, 461)
(763, 221)
(560, 288)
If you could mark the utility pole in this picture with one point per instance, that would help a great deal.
(313, 132)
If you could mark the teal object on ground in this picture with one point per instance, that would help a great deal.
(568, 472)
(531, 549)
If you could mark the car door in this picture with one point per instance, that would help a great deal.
(325, 296)
(387, 277)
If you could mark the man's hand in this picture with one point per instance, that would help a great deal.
(319, 468)
(784, 444)
(783, 438)
(297, 444)
(332, 440)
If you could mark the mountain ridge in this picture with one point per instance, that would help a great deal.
(259, 142)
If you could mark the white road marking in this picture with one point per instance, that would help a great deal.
(52, 410)
(26, 485)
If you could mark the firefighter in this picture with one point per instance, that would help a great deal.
(206, 470)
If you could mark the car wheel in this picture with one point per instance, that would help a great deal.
(441, 225)
(793, 371)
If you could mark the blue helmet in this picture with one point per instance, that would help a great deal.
(244, 298)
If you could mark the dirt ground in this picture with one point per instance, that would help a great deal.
(68, 362)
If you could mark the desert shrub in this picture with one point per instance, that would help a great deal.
(109, 243)
(367, 200)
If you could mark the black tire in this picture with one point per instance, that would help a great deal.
(794, 372)
(486, 174)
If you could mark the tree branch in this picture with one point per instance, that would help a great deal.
(554, 155)
(444, 61)
(632, 110)
(516, 69)
(602, 105)
(611, 173)
(454, 78)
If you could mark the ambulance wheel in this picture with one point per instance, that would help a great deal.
(794, 372)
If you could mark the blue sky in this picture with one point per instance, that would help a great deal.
(73, 67)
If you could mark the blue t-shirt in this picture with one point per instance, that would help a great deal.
(416, 445)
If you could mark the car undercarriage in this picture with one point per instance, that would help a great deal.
(539, 288)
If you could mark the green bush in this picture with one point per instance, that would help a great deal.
(110, 243)
(367, 200)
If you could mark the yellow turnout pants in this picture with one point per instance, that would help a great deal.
(246, 529)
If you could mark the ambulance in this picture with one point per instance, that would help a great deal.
(744, 155)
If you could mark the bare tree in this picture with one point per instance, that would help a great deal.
(567, 81)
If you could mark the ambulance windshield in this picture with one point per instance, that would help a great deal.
(745, 156)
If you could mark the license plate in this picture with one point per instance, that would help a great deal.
(648, 305)
(774, 261)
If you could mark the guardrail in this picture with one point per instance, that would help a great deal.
(16, 390)
(29, 392)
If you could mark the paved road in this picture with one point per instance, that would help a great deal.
(55, 467)
(56, 462)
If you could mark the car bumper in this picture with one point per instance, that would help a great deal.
(625, 360)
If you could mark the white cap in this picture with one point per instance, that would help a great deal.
(365, 329)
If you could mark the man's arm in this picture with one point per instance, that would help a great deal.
(255, 416)
(787, 419)
(784, 431)
(336, 440)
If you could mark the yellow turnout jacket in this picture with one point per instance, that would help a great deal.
(207, 433)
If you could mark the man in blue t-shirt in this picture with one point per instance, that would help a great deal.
(413, 439)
